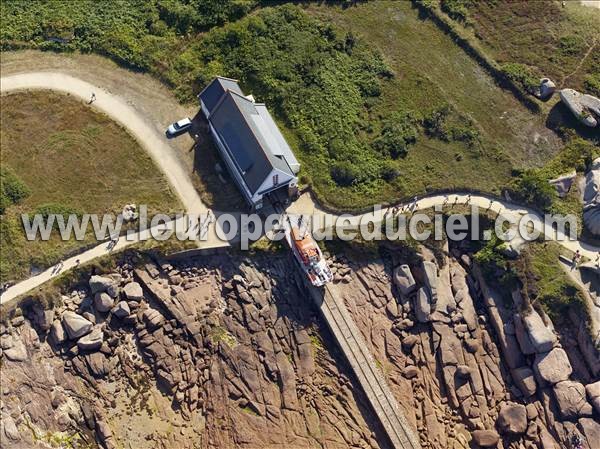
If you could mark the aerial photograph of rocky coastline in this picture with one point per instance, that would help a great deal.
(254, 224)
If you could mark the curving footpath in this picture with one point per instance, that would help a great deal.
(150, 140)
(506, 209)
(118, 110)
(162, 154)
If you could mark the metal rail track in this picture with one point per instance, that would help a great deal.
(361, 360)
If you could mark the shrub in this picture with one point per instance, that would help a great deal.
(532, 188)
(522, 75)
(435, 122)
(464, 133)
(446, 124)
(571, 44)
(456, 9)
(389, 171)
(398, 132)
(592, 83)
(495, 266)
(12, 189)
(344, 173)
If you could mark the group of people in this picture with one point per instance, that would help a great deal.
(58, 268)
(414, 204)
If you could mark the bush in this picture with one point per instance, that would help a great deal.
(571, 44)
(522, 75)
(389, 172)
(12, 189)
(534, 189)
(592, 84)
(446, 124)
(398, 132)
(495, 266)
(344, 173)
(435, 122)
(457, 9)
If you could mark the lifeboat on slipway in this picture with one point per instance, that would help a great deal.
(306, 251)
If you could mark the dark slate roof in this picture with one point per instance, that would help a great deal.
(251, 140)
(212, 93)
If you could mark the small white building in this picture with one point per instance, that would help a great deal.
(254, 150)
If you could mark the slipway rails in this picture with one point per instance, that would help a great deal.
(371, 380)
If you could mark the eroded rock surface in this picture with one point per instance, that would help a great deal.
(222, 352)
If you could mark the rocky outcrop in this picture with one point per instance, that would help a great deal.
(57, 333)
(563, 183)
(103, 302)
(486, 438)
(591, 198)
(91, 341)
(540, 336)
(593, 394)
(422, 305)
(133, 291)
(99, 284)
(121, 310)
(404, 280)
(232, 350)
(14, 349)
(571, 400)
(525, 380)
(545, 90)
(586, 108)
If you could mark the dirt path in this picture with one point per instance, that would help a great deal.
(587, 53)
(306, 205)
(151, 99)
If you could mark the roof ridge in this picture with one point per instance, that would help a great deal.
(250, 127)
(225, 78)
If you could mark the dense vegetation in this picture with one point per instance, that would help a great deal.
(12, 189)
(316, 78)
(136, 33)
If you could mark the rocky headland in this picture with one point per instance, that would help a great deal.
(224, 351)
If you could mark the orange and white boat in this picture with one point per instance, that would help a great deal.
(306, 251)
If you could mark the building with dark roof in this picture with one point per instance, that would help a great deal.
(254, 150)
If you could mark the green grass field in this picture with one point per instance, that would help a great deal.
(74, 159)
(432, 70)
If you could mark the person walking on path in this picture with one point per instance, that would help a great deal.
(92, 98)
(576, 257)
